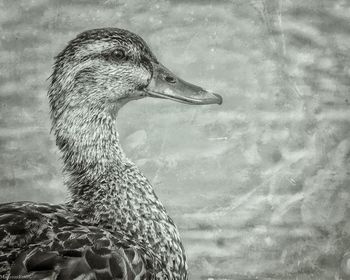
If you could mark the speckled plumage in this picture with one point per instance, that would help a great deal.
(114, 226)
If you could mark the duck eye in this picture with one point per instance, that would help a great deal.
(170, 79)
(118, 54)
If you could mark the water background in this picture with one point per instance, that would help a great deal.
(259, 186)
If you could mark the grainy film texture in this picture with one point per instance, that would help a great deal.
(258, 187)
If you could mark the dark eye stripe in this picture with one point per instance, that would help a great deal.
(114, 55)
(145, 61)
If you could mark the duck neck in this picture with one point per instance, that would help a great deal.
(108, 190)
(89, 143)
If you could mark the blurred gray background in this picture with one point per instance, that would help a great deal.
(259, 187)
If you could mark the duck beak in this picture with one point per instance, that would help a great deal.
(164, 84)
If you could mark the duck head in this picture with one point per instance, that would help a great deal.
(109, 67)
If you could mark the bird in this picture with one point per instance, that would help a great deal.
(113, 225)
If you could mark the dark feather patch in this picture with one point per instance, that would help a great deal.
(42, 261)
(95, 261)
(63, 235)
(101, 251)
(71, 253)
(116, 265)
(103, 275)
(16, 229)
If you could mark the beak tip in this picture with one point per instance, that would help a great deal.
(219, 98)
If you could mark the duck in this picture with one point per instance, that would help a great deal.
(113, 226)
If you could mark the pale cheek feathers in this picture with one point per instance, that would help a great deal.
(142, 76)
(126, 77)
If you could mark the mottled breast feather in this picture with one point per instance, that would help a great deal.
(43, 241)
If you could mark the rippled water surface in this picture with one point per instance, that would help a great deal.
(259, 186)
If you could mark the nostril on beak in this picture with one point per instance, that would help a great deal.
(170, 79)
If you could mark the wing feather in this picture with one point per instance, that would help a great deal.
(42, 241)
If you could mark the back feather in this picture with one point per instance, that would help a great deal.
(42, 241)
